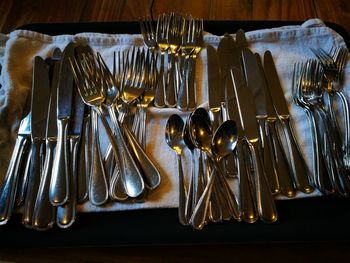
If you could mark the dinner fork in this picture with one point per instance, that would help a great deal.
(333, 65)
(312, 94)
(162, 41)
(320, 173)
(89, 79)
(148, 34)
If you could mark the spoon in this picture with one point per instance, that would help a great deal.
(226, 135)
(175, 139)
(218, 208)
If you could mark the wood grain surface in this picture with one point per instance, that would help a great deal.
(14, 13)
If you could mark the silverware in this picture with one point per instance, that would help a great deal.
(59, 185)
(66, 213)
(11, 181)
(255, 82)
(265, 203)
(44, 212)
(39, 113)
(300, 170)
(280, 161)
(216, 89)
(175, 139)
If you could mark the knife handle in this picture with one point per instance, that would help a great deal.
(247, 205)
(66, 213)
(24, 174)
(9, 186)
(150, 172)
(59, 185)
(265, 202)
(159, 96)
(215, 116)
(98, 187)
(83, 162)
(33, 182)
(283, 171)
(299, 167)
(44, 212)
(268, 158)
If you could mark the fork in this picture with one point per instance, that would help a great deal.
(162, 41)
(333, 65)
(319, 166)
(311, 83)
(89, 79)
(148, 34)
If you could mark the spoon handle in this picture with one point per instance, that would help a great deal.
(182, 192)
(265, 203)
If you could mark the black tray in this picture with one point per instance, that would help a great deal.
(302, 220)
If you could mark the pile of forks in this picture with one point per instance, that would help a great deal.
(178, 39)
(315, 84)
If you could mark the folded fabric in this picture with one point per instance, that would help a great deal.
(288, 45)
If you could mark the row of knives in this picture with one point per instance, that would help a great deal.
(246, 89)
(49, 169)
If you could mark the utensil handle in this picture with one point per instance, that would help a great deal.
(265, 202)
(268, 157)
(299, 167)
(170, 91)
(130, 173)
(247, 205)
(191, 84)
(159, 96)
(83, 172)
(66, 214)
(98, 187)
(59, 185)
(182, 96)
(9, 186)
(346, 116)
(200, 212)
(283, 171)
(182, 193)
(150, 172)
(318, 138)
(24, 174)
(33, 182)
(44, 212)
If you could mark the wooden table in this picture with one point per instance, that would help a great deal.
(16, 13)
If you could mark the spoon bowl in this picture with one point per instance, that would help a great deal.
(174, 133)
(225, 139)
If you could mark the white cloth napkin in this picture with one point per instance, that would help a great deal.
(288, 44)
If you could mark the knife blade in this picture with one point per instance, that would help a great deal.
(59, 185)
(280, 160)
(216, 89)
(12, 177)
(255, 83)
(300, 170)
(43, 215)
(229, 57)
(39, 111)
(265, 203)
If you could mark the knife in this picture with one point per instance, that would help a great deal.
(265, 203)
(300, 170)
(66, 213)
(44, 212)
(216, 89)
(229, 57)
(280, 160)
(59, 185)
(9, 186)
(255, 83)
(39, 111)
